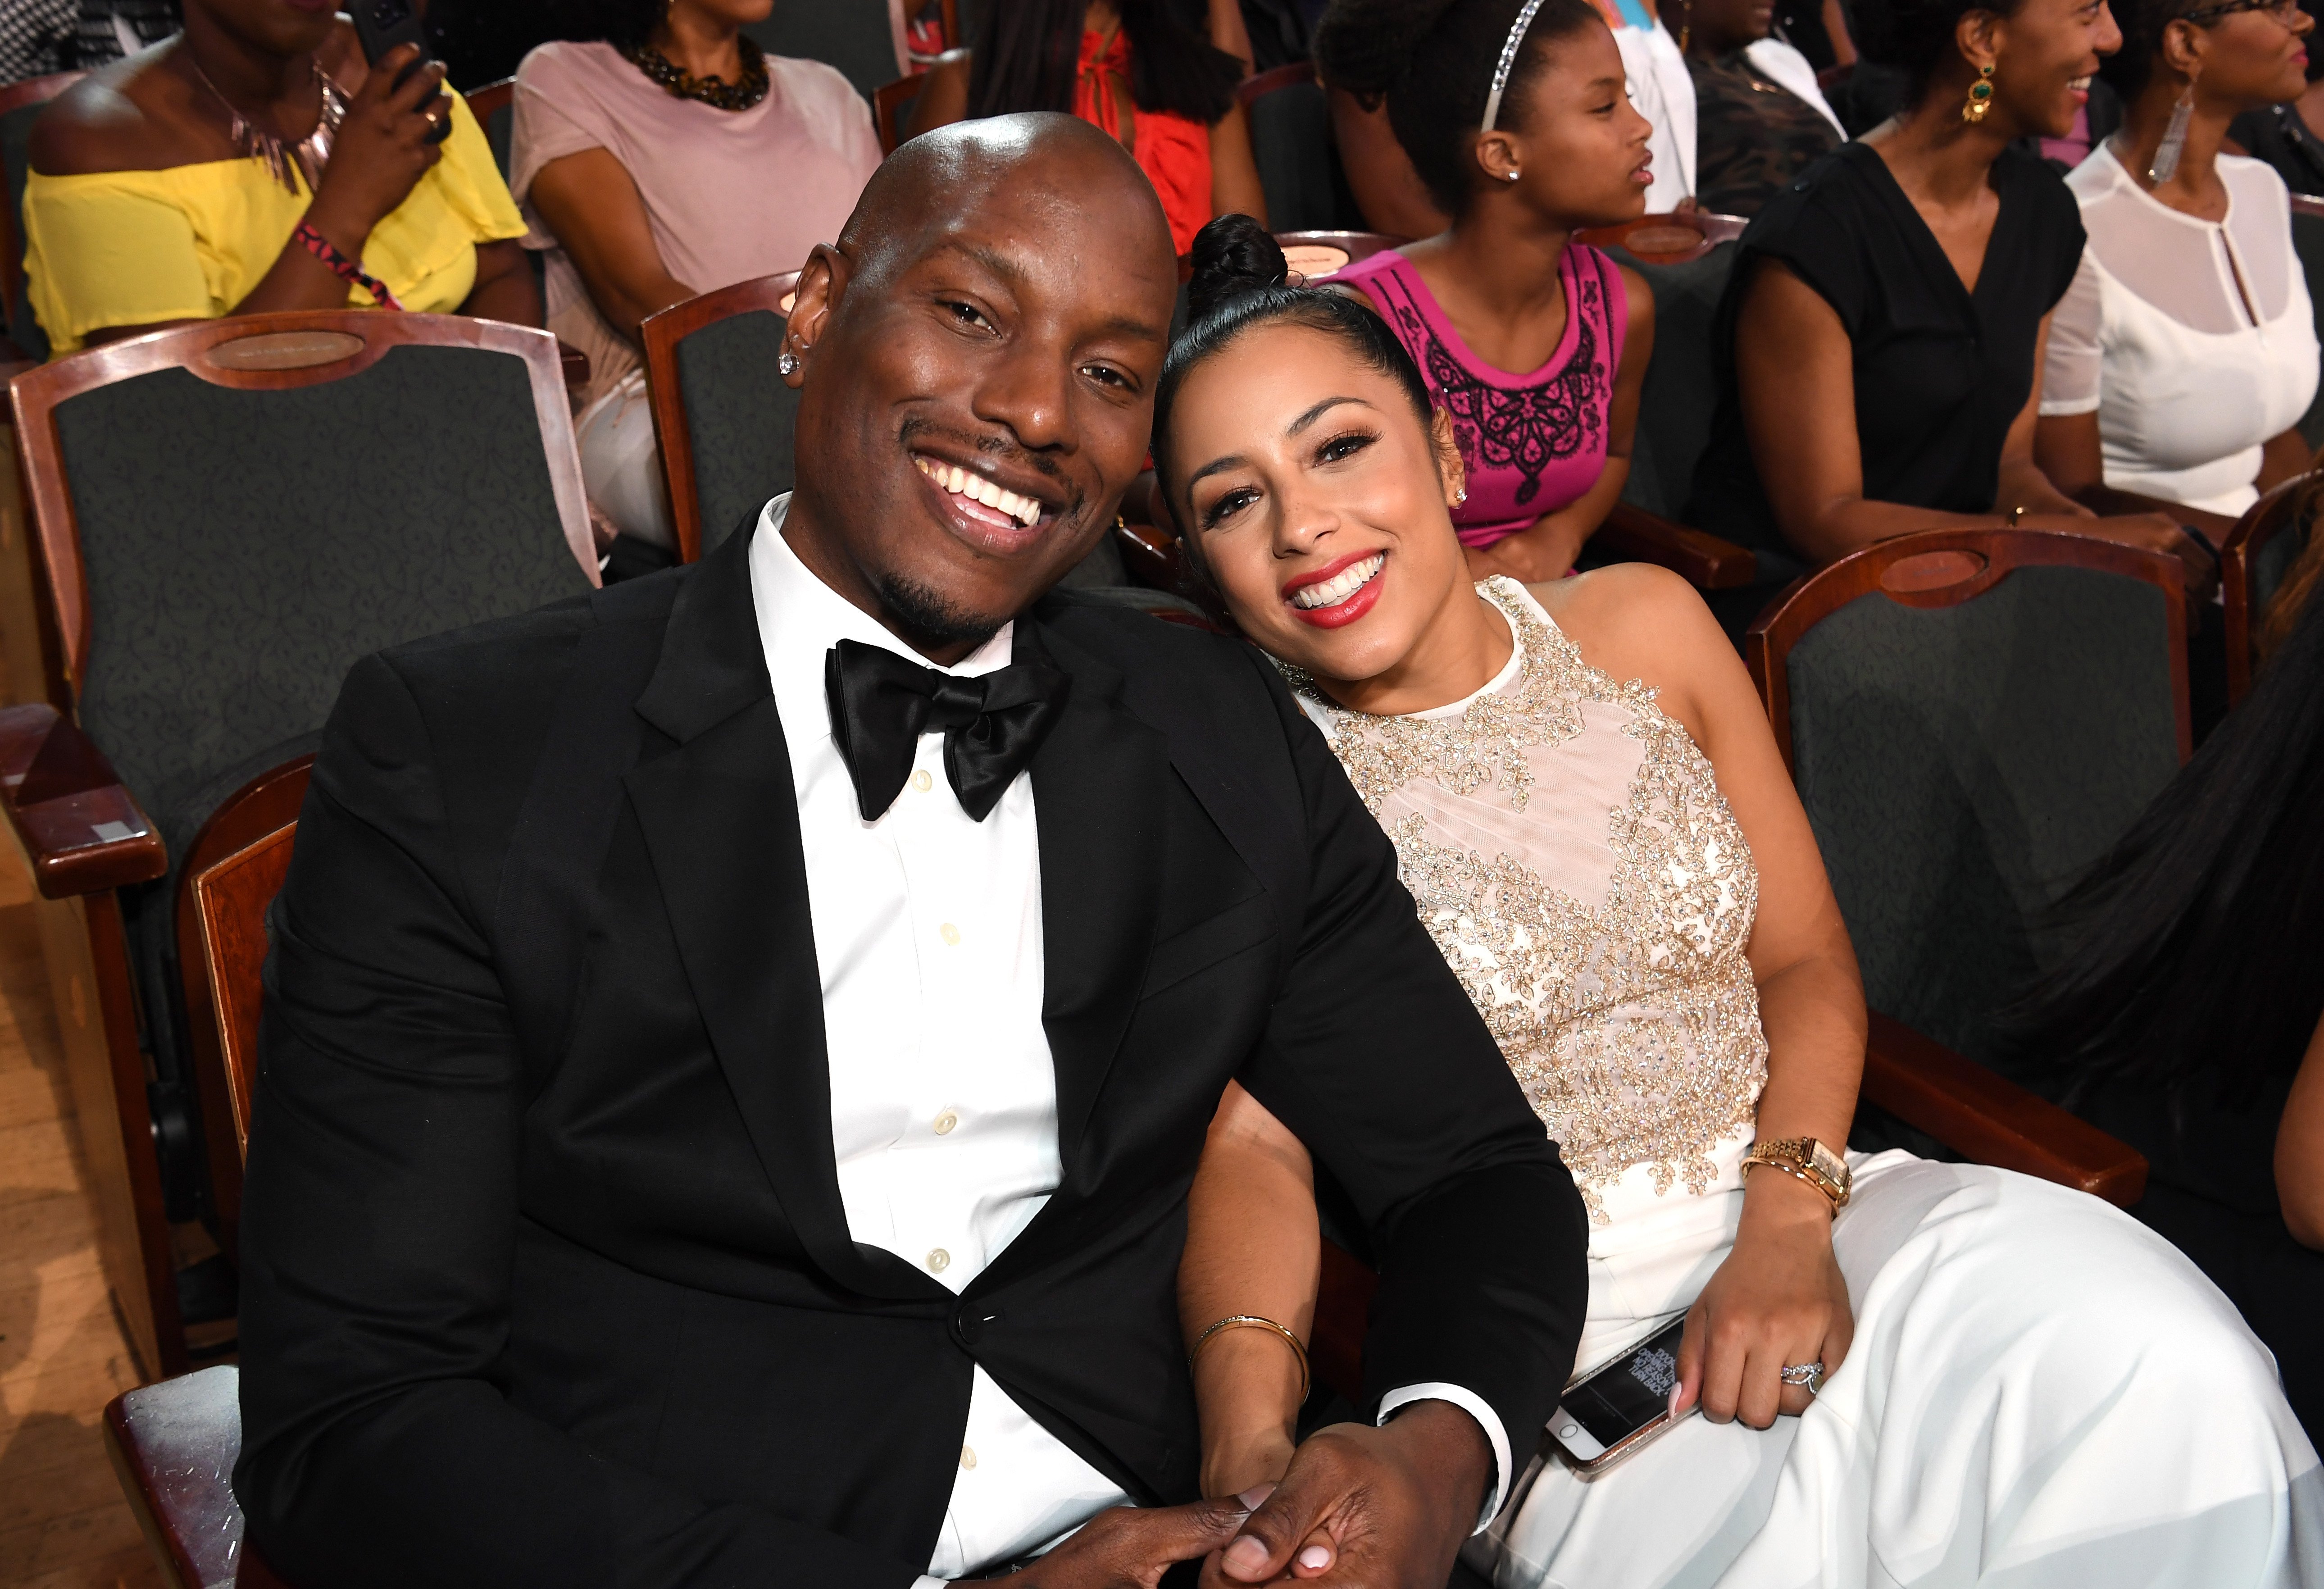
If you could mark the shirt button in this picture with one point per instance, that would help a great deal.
(968, 1456)
(922, 781)
(938, 1260)
(945, 1121)
(950, 934)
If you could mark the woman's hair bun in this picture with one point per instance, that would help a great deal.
(1232, 254)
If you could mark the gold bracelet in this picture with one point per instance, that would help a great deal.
(1254, 1322)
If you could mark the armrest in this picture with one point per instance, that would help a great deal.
(81, 831)
(1992, 1121)
(1632, 534)
(1344, 1305)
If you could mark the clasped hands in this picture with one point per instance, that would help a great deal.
(1366, 1507)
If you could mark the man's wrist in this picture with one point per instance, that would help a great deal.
(1478, 1414)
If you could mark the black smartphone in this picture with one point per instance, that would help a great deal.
(1613, 1410)
(381, 25)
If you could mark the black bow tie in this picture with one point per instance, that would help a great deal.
(881, 705)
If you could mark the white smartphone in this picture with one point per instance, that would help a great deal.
(1613, 1410)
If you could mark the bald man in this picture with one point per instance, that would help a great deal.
(737, 1045)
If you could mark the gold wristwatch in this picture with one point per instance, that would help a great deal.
(1804, 1158)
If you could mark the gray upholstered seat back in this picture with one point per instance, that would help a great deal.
(1960, 764)
(852, 35)
(739, 416)
(1291, 143)
(244, 549)
(500, 132)
(1674, 406)
(16, 162)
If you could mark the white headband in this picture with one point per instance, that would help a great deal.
(1508, 59)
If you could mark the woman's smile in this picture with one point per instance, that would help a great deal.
(1339, 593)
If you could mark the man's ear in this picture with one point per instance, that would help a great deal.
(1450, 466)
(822, 282)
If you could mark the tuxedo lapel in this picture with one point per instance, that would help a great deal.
(1098, 785)
(721, 822)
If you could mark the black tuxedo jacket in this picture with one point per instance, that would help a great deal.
(545, 1277)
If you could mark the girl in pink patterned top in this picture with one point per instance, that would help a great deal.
(1532, 343)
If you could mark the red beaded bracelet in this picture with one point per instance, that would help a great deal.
(341, 266)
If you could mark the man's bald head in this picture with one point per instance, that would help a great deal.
(976, 366)
(941, 178)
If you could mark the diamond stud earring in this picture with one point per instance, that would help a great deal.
(788, 363)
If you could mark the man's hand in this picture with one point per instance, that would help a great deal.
(1378, 1509)
(1131, 1548)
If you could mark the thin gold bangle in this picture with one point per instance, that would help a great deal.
(1251, 1321)
(1797, 1174)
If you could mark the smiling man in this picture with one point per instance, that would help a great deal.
(737, 1047)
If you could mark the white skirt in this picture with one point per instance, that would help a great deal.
(2040, 1391)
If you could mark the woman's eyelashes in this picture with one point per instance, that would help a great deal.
(1344, 446)
(1227, 505)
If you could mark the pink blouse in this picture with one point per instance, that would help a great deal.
(1533, 443)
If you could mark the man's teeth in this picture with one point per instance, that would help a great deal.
(1341, 585)
(977, 488)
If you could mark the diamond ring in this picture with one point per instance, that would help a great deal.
(1809, 1374)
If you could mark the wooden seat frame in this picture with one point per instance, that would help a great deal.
(660, 333)
(2276, 511)
(83, 833)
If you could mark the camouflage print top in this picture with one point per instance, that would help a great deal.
(1752, 135)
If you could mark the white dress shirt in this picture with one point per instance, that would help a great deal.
(943, 1100)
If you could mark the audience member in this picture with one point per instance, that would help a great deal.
(2186, 1016)
(1879, 346)
(2284, 134)
(1129, 68)
(718, 1127)
(672, 158)
(1759, 118)
(253, 164)
(1664, 92)
(1507, 289)
(1598, 832)
(2184, 353)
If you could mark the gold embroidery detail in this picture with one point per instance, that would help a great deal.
(1632, 1027)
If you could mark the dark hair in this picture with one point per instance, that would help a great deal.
(1241, 281)
(1432, 62)
(625, 24)
(1027, 50)
(2129, 68)
(2195, 941)
(1915, 36)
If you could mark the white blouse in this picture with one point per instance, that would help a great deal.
(2192, 340)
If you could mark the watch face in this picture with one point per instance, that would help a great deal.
(1828, 1163)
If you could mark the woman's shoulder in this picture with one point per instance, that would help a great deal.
(1835, 194)
(135, 114)
(818, 82)
(2256, 182)
(1636, 621)
(546, 68)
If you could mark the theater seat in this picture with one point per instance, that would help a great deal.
(852, 35)
(228, 516)
(2254, 559)
(722, 415)
(1291, 144)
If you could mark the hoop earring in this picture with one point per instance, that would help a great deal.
(1980, 96)
(788, 365)
(2174, 135)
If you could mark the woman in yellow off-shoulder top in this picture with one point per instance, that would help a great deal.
(253, 164)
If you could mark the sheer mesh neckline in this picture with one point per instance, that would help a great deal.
(2196, 272)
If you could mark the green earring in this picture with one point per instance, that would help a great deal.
(1980, 96)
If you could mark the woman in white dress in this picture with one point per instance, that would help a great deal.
(1994, 1379)
(2184, 353)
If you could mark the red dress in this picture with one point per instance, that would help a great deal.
(1174, 150)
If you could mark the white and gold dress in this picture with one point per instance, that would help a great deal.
(2040, 1391)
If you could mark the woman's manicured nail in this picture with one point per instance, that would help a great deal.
(1255, 1497)
(1246, 1556)
(1676, 1391)
(1314, 1558)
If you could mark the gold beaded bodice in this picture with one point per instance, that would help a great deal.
(1572, 856)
